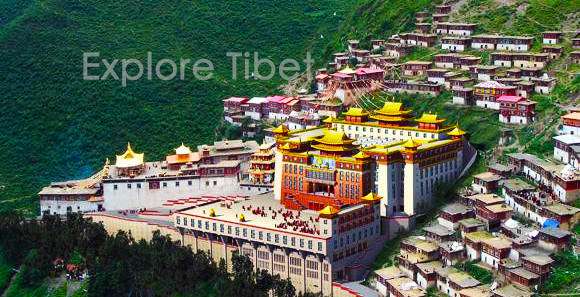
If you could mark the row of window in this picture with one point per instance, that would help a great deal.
(293, 183)
(438, 168)
(164, 184)
(355, 236)
(201, 225)
(384, 131)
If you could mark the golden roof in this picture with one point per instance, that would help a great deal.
(393, 109)
(329, 120)
(332, 148)
(371, 197)
(334, 141)
(411, 143)
(430, 118)
(281, 129)
(129, 158)
(332, 137)
(356, 112)
(347, 70)
(361, 155)
(456, 132)
(287, 146)
(183, 150)
(329, 210)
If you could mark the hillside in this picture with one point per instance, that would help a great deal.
(57, 126)
(514, 17)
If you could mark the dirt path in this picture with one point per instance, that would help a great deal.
(73, 286)
(9, 284)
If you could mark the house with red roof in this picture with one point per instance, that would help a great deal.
(233, 112)
(516, 110)
(322, 79)
(487, 93)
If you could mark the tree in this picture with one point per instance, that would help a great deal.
(284, 288)
(31, 272)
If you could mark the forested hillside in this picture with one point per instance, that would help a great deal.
(378, 19)
(56, 126)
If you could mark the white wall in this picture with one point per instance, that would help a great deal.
(570, 130)
(124, 197)
(60, 207)
(472, 254)
(490, 260)
(487, 104)
(453, 47)
(482, 46)
(561, 155)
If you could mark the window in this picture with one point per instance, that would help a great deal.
(138, 185)
(164, 184)
(128, 186)
(114, 187)
(189, 183)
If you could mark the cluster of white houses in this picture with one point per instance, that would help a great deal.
(557, 181)
(513, 74)
(478, 229)
(513, 70)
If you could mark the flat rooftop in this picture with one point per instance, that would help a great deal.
(159, 169)
(438, 230)
(471, 222)
(456, 208)
(263, 211)
(517, 185)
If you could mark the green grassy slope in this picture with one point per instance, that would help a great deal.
(56, 126)
(378, 19)
(5, 272)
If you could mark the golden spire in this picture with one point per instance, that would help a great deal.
(129, 158)
(361, 155)
(411, 144)
(430, 118)
(282, 129)
(183, 150)
(456, 131)
(371, 197)
(329, 212)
